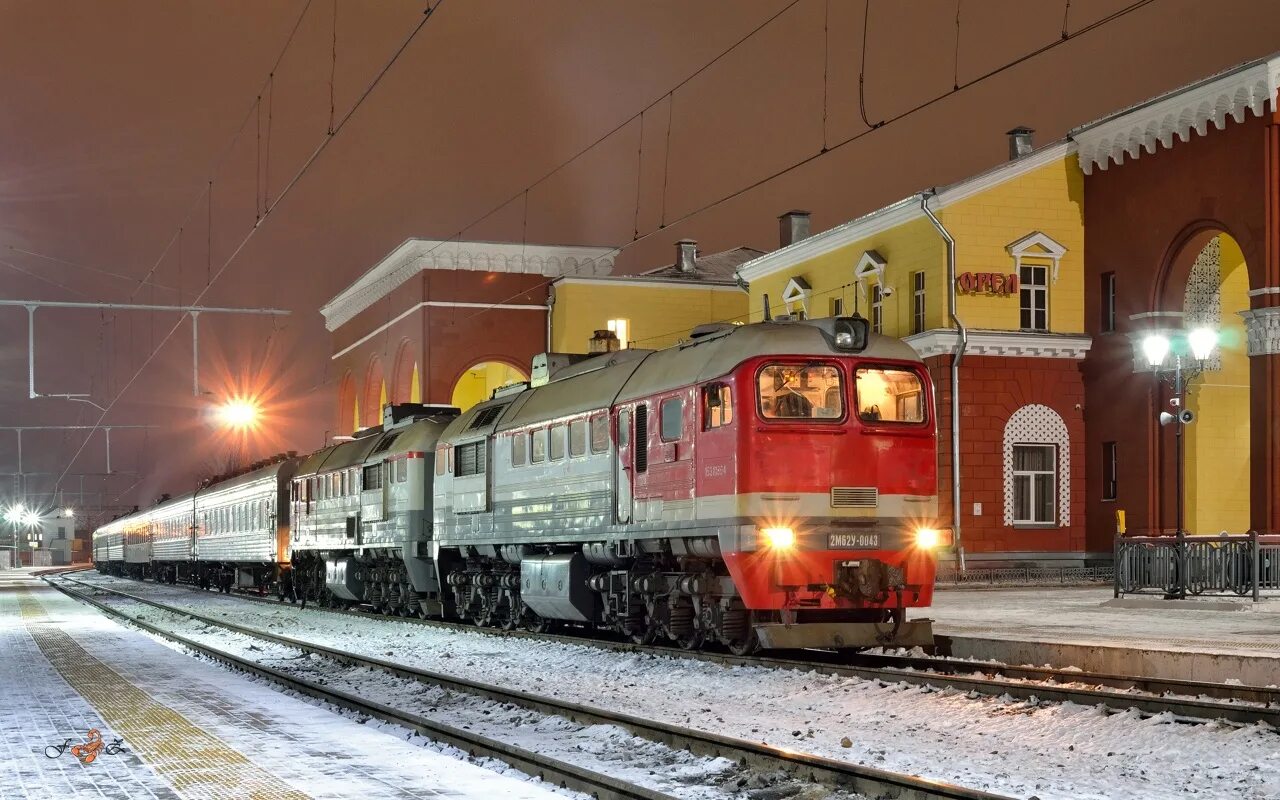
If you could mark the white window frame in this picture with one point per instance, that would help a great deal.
(918, 308)
(1035, 477)
(796, 293)
(877, 308)
(1033, 296)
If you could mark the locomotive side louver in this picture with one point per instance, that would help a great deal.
(854, 496)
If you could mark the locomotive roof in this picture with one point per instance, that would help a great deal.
(618, 377)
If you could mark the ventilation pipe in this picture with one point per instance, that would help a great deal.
(792, 227)
(955, 375)
(686, 255)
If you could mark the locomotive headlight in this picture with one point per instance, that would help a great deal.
(928, 538)
(844, 340)
(779, 538)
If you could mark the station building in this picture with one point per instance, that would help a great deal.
(1019, 292)
(449, 322)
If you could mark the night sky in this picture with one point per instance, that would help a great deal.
(115, 117)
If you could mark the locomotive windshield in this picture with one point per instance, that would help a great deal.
(889, 395)
(793, 391)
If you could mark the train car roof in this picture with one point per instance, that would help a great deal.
(284, 468)
(600, 382)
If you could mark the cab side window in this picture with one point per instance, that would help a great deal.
(717, 406)
(671, 412)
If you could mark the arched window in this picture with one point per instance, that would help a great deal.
(406, 367)
(1037, 468)
(375, 393)
(348, 409)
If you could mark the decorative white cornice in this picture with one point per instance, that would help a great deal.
(1262, 328)
(641, 281)
(416, 255)
(1009, 344)
(901, 212)
(1248, 87)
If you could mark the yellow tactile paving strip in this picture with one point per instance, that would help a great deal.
(196, 763)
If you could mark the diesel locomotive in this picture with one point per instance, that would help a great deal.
(767, 485)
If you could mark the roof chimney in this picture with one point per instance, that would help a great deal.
(686, 253)
(792, 227)
(1020, 142)
(604, 341)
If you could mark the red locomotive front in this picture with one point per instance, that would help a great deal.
(836, 469)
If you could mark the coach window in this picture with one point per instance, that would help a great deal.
(519, 449)
(342, 478)
(538, 445)
(354, 479)
(599, 433)
(556, 432)
(889, 395)
(717, 406)
(578, 437)
(672, 413)
(812, 391)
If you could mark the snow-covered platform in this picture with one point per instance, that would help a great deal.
(170, 726)
(1214, 639)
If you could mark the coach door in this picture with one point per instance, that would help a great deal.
(622, 467)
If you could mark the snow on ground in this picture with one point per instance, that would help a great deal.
(996, 744)
(603, 748)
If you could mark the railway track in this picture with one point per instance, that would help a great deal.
(846, 776)
(1117, 693)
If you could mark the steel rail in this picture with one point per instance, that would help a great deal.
(829, 772)
(945, 673)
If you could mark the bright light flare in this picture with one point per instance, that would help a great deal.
(1202, 341)
(30, 519)
(1155, 347)
(68, 513)
(239, 413)
(779, 538)
(14, 514)
(928, 538)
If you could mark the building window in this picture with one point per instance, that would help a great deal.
(1109, 471)
(1033, 283)
(1034, 476)
(1037, 468)
(837, 306)
(622, 329)
(917, 302)
(1108, 302)
(877, 308)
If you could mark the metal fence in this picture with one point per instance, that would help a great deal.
(1026, 576)
(1242, 564)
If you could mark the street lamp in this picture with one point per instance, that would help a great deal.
(1198, 344)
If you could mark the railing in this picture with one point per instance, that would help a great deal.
(1026, 576)
(1242, 564)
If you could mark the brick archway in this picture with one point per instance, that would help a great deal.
(375, 388)
(1148, 217)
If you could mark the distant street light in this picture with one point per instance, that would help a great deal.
(239, 413)
(1156, 347)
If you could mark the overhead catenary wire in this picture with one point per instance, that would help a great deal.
(611, 252)
(328, 138)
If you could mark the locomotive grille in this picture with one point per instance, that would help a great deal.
(854, 496)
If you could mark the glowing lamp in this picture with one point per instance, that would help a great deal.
(779, 538)
(1155, 347)
(238, 413)
(1202, 341)
(928, 538)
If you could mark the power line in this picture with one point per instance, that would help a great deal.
(810, 158)
(323, 145)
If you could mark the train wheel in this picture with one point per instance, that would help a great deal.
(645, 635)
(745, 646)
(537, 624)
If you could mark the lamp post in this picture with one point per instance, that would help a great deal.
(1198, 344)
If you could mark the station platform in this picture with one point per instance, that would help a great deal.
(185, 728)
(1208, 638)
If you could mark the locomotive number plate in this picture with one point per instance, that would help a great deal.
(853, 541)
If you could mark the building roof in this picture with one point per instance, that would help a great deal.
(416, 255)
(1155, 122)
(901, 212)
(714, 267)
